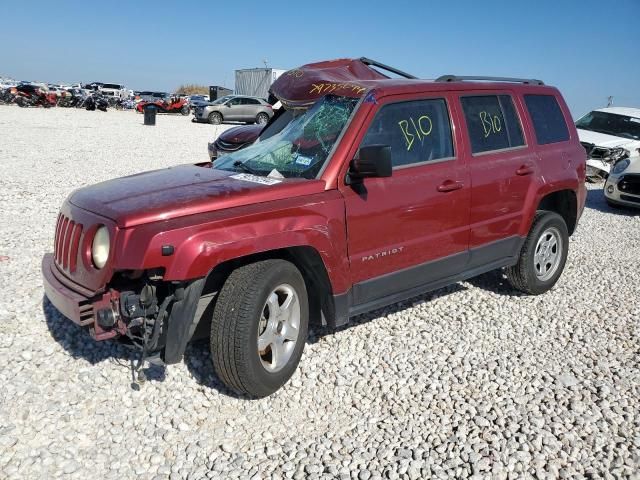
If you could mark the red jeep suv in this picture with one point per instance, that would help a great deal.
(378, 190)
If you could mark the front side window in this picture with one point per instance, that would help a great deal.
(417, 131)
(492, 123)
(547, 118)
(301, 148)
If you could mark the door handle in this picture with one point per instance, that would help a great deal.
(449, 186)
(525, 170)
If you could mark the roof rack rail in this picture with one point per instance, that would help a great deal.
(368, 61)
(456, 78)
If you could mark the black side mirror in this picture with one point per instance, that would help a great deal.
(371, 161)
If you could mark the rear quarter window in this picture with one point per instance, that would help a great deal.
(492, 123)
(548, 120)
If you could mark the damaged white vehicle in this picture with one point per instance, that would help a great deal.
(610, 136)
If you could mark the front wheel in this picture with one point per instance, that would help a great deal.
(259, 327)
(185, 110)
(215, 118)
(262, 118)
(543, 255)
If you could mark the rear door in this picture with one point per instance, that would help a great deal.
(252, 108)
(409, 229)
(503, 168)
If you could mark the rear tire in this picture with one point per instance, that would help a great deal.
(259, 327)
(215, 118)
(543, 255)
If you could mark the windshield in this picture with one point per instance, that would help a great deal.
(611, 124)
(300, 149)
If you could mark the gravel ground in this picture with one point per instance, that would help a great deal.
(471, 380)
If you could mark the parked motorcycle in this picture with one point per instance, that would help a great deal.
(96, 101)
(33, 96)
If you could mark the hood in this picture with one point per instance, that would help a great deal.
(300, 87)
(183, 190)
(241, 134)
(607, 141)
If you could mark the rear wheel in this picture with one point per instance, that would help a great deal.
(215, 118)
(543, 255)
(262, 118)
(259, 327)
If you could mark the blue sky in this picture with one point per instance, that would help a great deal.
(588, 49)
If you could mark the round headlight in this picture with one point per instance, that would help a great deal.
(100, 247)
(620, 166)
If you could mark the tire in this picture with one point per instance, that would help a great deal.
(215, 118)
(262, 118)
(185, 110)
(243, 314)
(536, 274)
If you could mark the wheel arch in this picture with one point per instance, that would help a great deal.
(306, 259)
(564, 203)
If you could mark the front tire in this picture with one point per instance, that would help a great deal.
(543, 255)
(259, 327)
(185, 110)
(262, 118)
(215, 118)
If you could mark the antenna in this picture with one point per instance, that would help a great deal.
(609, 101)
(266, 64)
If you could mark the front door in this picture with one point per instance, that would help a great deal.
(410, 229)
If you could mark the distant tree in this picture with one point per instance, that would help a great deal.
(192, 89)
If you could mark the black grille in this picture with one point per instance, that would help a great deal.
(629, 198)
(229, 147)
(630, 183)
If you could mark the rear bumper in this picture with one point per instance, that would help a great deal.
(71, 304)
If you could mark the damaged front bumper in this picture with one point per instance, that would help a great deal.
(155, 317)
(78, 304)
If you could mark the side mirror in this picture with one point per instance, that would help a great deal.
(371, 161)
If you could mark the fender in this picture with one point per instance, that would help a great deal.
(201, 242)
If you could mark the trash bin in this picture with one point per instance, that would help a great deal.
(150, 115)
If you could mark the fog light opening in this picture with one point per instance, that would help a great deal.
(610, 189)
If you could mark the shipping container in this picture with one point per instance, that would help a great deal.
(256, 81)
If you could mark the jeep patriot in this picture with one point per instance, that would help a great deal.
(379, 190)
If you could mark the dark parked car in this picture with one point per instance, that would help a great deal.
(235, 108)
(381, 190)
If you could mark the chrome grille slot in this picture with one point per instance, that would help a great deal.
(67, 243)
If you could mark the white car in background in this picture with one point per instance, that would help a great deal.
(611, 137)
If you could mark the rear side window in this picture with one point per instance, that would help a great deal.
(548, 121)
(417, 131)
(492, 123)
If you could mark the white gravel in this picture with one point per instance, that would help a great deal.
(472, 380)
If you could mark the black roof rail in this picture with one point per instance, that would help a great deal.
(456, 78)
(368, 61)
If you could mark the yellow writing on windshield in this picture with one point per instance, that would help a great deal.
(332, 87)
(490, 124)
(421, 128)
(296, 72)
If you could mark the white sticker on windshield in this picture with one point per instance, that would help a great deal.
(301, 160)
(247, 177)
(275, 174)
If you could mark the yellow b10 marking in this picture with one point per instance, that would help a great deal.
(422, 128)
(490, 124)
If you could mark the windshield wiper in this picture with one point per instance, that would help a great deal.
(245, 167)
